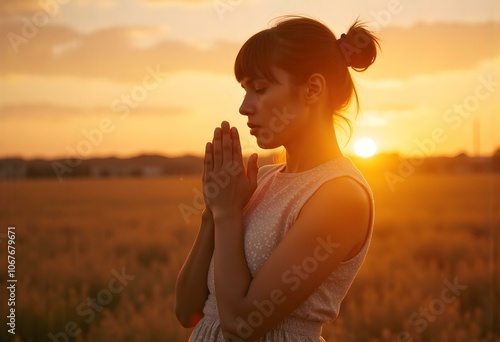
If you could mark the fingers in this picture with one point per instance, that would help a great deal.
(222, 146)
(252, 170)
(235, 139)
(217, 149)
(208, 162)
(227, 145)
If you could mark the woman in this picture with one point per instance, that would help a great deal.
(281, 244)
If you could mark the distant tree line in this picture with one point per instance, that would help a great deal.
(155, 165)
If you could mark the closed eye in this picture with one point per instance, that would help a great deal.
(260, 91)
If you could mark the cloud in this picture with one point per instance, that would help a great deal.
(109, 54)
(123, 53)
(177, 2)
(10, 7)
(434, 48)
(52, 112)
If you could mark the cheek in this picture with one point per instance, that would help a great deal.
(279, 116)
(278, 130)
(268, 138)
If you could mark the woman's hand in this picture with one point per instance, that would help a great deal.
(227, 187)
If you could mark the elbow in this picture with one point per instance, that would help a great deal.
(184, 321)
(188, 313)
(187, 319)
(182, 317)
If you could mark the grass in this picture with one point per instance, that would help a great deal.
(72, 235)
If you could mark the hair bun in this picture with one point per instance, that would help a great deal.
(359, 47)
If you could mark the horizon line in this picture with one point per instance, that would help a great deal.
(262, 155)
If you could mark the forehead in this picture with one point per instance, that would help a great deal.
(280, 76)
(246, 81)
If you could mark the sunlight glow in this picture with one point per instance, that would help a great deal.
(365, 147)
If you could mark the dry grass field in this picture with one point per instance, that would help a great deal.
(97, 259)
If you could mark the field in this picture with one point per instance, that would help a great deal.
(96, 260)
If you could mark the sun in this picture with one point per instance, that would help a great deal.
(365, 147)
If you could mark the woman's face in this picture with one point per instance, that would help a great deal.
(275, 110)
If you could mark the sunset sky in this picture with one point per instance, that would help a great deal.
(155, 76)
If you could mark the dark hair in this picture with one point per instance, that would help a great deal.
(303, 46)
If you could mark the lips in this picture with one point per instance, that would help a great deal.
(253, 128)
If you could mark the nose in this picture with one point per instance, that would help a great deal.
(247, 108)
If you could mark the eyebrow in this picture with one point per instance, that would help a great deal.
(251, 80)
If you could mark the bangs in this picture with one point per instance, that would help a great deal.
(256, 57)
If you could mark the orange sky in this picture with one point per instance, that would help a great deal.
(99, 78)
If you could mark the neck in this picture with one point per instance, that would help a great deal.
(316, 145)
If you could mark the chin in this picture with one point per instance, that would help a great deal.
(267, 145)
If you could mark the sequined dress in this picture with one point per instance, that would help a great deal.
(268, 216)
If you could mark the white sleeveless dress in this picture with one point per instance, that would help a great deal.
(268, 216)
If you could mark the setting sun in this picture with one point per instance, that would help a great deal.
(365, 147)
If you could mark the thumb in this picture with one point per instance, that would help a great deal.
(253, 169)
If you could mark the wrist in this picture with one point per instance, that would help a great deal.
(207, 219)
(228, 214)
(206, 214)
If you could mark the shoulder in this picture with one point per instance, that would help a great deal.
(343, 207)
(340, 195)
(343, 191)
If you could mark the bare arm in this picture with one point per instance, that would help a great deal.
(191, 288)
(331, 227)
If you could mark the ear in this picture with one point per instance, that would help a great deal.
(316, 86)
